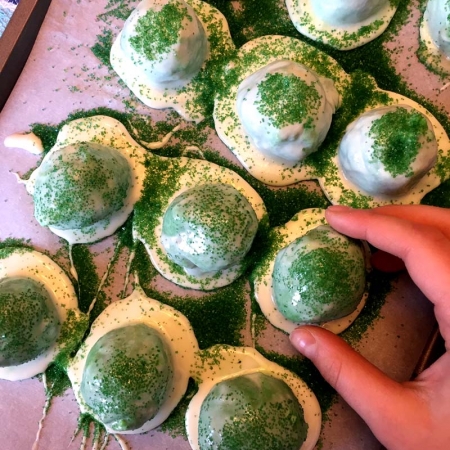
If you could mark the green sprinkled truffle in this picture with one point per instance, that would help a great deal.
(166, 41)
(387, 150)
(127, 376)
(255, 411)
(286, 109)
(157, 31)
(29, 323)
(209, 227)
(319, 277)
(81, 184)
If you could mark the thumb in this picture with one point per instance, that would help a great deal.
(382, 403)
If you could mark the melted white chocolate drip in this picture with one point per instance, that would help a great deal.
(29, 142)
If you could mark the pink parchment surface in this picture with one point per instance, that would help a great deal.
(56, 81)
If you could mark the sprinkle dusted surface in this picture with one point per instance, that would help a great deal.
(157, 31)
(397, 138)
(69, 80)
(308, 23)
(128, 373)
(236, 411)
(287, 109)
(62, 201)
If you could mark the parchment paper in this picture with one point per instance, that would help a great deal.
(56, 81)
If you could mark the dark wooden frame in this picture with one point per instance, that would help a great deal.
(17, 41)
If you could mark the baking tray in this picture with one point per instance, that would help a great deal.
(30, 83)
(17, 41)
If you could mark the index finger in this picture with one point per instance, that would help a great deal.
(421, 214)
(425, 249)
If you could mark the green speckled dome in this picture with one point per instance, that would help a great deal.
(319, 277)
(165, 40)
(249, 412)
(209, 227)
(80, 185)
(29, 322)
(127, 376)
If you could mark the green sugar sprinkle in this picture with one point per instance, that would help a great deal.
(360, 94)
(397, 139)
(219, 317)
(102, 48)
(299, 102)
(224, 308)
(88, 282)
(175, 425)
(81, 184)
(439, 196)
(157, 31)
(10, 245)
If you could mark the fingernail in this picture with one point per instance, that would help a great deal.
(303, 341)
(339, 209)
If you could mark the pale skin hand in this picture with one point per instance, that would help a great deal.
(403, 416)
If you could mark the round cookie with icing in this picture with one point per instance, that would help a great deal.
(277, 106)
(311, 275)
(208, 228)
(286, 110)
(169, 51)
(343, 24)
(80, 184)
(318, 277)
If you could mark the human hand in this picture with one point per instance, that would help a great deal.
(403, 416)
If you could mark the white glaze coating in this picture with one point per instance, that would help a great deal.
(368, 172)
(292, 143)
(111, 133)
(306, 220)
(340, 190)
(183, 60)
(261, 52)
(343, 24)
(435, 35)
(41, 268)
(180, 99)
(195, 173)
(173, 326)
(229, 362)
